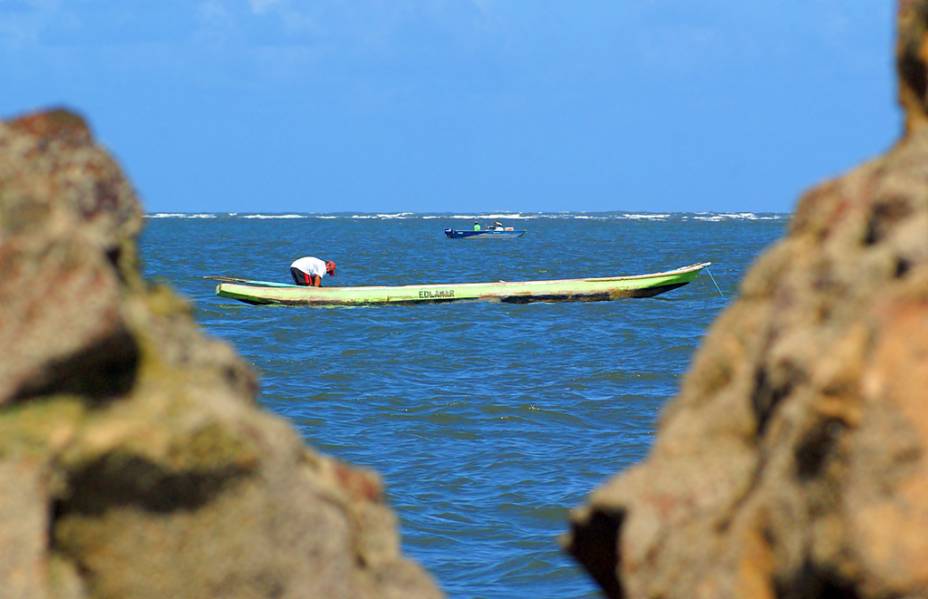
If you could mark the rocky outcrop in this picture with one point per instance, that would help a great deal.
(134, 461)
(794, 462)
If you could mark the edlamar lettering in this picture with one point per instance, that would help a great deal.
(442, 293)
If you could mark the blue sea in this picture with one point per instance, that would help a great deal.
(488, 422)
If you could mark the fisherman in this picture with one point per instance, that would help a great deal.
(499, 226)
(308, 271)
(476, 226)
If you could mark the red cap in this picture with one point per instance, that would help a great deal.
(330, 267)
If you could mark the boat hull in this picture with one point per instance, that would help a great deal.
(563, 290)
(484, 234)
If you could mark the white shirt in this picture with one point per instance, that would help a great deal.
(310, 265)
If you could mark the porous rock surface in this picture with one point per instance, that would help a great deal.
(134, 461)
(794, 461)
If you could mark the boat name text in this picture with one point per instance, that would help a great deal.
(441, 293)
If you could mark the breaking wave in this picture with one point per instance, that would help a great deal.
(384, 215)
(643, 216)
(273, 216)
(178, 215)
(723, 216)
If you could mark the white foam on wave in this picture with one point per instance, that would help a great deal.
(726, 216)
(324, 216)
(178, 215)
(574, 216)
(511, 216)
(383, 215)
(273, 216)
(494, 216)
(770, 217)
(644, 216)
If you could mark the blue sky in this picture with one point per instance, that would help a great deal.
(453, 105)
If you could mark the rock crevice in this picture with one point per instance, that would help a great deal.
(793, 462)
(141, 462)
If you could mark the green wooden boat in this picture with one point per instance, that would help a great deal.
(562, 290)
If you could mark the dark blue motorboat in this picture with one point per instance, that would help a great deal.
(485, 234)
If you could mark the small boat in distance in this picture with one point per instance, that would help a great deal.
(507, 233)
(516, 292)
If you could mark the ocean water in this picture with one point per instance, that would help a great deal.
(487, 421)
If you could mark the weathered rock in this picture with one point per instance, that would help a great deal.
(134, 461)
(794, 462)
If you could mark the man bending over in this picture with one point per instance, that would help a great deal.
(309, 271)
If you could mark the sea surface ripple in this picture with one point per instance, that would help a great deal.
(487, 421)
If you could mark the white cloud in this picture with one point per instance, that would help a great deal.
(293, 20)
(259, 7)
(23, 25)
(216, 23)
(213, 10)
(483, 6)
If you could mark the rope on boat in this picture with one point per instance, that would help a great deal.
(713, 281)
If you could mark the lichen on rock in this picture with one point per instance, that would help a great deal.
(794, 461)
(134, 459)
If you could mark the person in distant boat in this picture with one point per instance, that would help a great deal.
(499, 226)
(476, 226)
(308, 271)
